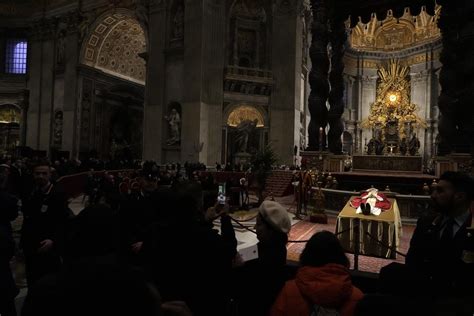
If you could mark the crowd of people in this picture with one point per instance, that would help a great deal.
(145, 244)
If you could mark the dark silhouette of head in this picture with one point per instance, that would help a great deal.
(454, 192)
(323, 248)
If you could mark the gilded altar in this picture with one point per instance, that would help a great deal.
(393, 117)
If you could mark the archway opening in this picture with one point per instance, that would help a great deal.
(10, 120)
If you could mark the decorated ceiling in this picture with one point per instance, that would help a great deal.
(114, 46)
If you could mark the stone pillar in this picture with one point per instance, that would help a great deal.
(338, 38)
(420, 86)
(153, 116)
(201, 135)
(41, 84)
(368, 95)
(318, 76)
(214, 34)
(24, 116)
(456, 122)
(356, 104)
(70, 102)
(286, 93)
(35, 47)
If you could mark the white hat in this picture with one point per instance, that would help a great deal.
(275, 215)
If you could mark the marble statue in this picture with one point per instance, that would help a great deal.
(413, 145)
(178, 23)
(174, 121)
(375, 146)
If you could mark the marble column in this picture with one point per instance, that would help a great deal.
(153, 117)
(24, 116)
(286, 95)
(201, 136)
(41, 85)
(70, 136)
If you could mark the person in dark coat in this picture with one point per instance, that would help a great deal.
(189, 260)
(440, 261)
(137, 212)
(46, 214)
(268, 273)
(8, 213)
(92, 282)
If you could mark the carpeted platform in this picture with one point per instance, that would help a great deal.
(303, 230)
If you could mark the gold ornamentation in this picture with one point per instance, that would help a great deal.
(393, 99)
(9, 114)
(114, 47)
(243, 113)
(393, 34)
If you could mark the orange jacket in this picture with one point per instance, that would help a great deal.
(327, 286)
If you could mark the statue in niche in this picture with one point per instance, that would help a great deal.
(58, 128)
(60, 49)
(174, 121)
(244, 130)
(178, 23)
(302, 139)
(414, 145)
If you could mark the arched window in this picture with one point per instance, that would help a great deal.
(16, 56)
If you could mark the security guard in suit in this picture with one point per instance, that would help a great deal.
(442, 245)
(46, 216)
(137, 212)
(440, 261)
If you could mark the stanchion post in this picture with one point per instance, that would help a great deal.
(357, 243)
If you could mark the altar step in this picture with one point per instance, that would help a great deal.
(278, 183)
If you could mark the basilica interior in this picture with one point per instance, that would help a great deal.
(306, 102)
(116, 70)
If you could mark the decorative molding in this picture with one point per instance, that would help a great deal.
(248, 81)
(419, 56)
(393, 34)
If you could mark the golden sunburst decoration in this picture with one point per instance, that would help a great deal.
(393, 99)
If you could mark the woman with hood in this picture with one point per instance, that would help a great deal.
(322, 283)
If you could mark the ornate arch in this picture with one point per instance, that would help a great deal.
(10, 113)
(239, 113)
(113, 45)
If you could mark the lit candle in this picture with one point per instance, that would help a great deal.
(320, 135)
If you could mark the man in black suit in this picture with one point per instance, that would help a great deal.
(8, 213)
(137, 212)
(46, 215)
(442, 245)
(440, 261)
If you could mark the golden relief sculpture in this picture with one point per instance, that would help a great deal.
(393, 102)
(245, 113)
(396, 33)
